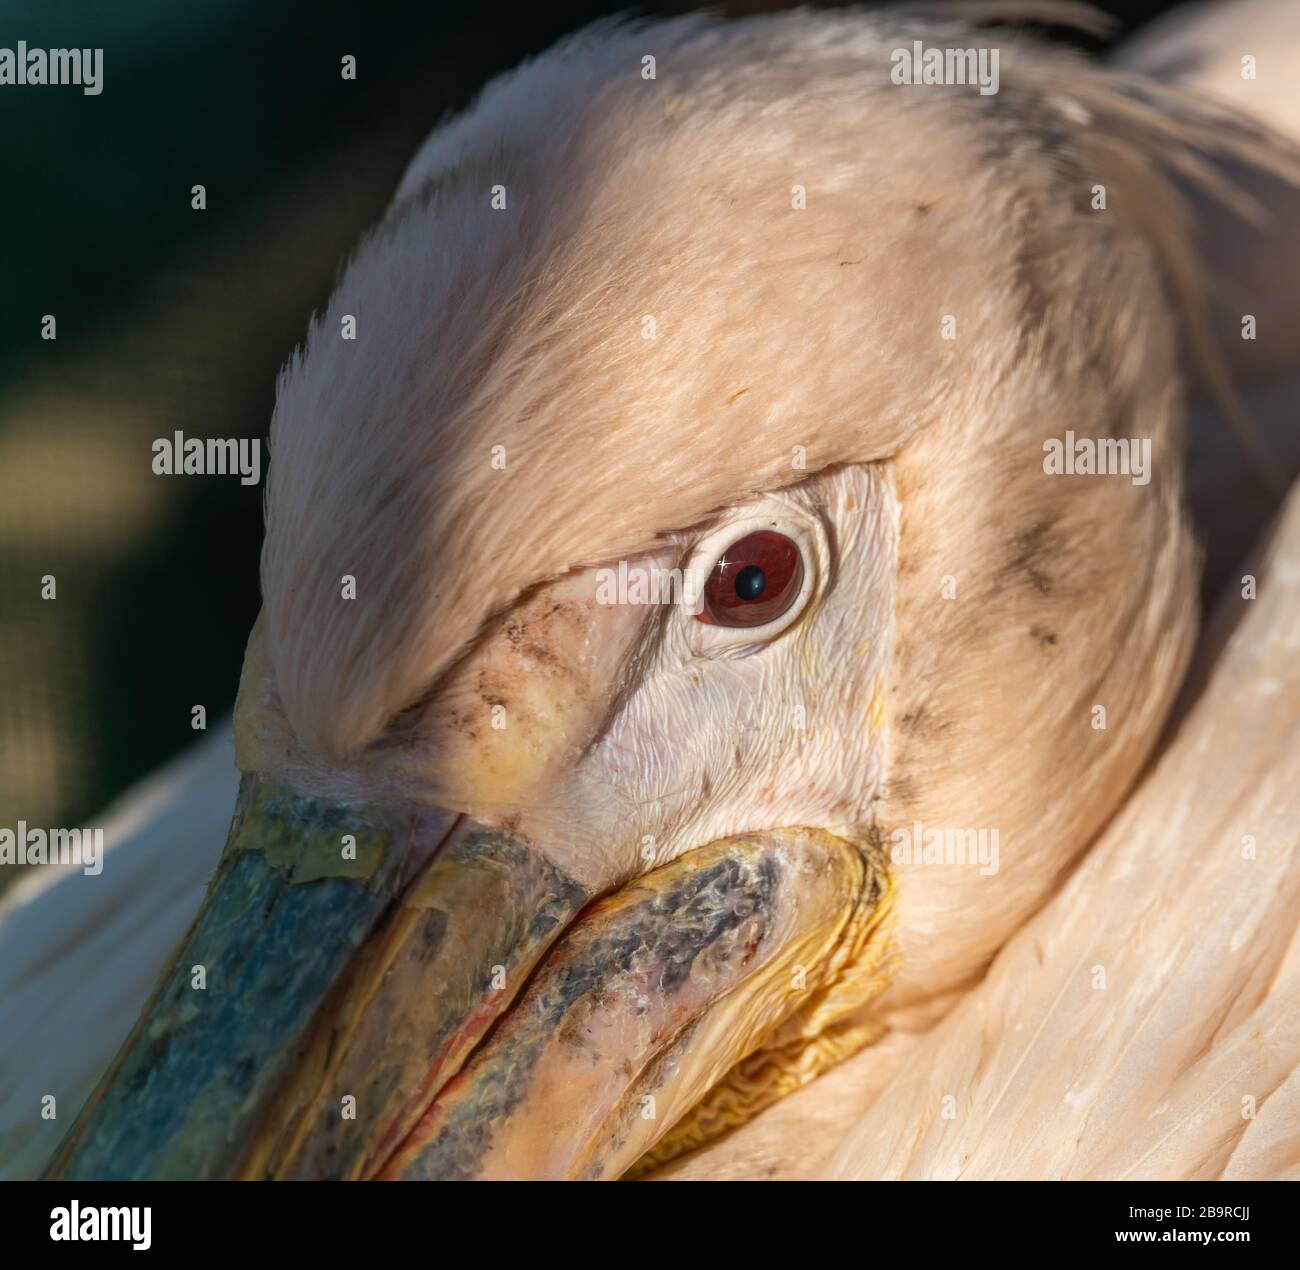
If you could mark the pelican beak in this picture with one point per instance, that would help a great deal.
(335, 944)
(369, 992)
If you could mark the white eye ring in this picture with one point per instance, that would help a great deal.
(774, 515)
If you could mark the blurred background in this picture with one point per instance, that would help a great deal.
(170, 318)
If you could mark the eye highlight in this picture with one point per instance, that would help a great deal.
(753, 582)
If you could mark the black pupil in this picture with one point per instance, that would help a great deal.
(750, 582)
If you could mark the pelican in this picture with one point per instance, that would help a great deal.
(531, 877)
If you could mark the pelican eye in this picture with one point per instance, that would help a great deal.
(753, 582)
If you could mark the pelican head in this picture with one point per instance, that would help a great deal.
(659, 538)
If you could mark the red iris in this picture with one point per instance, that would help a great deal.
(755, 581)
